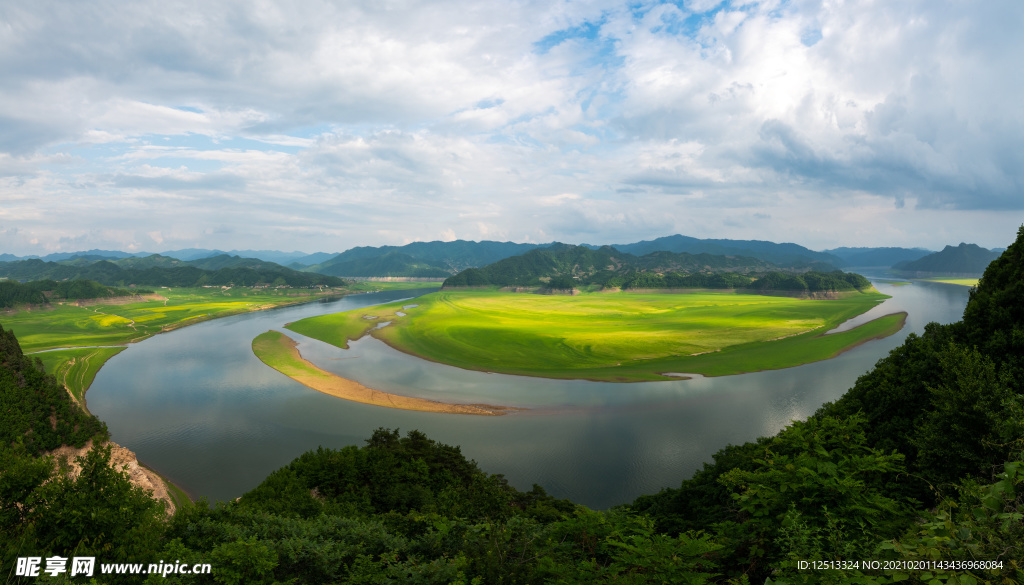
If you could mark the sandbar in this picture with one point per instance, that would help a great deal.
(280, 352)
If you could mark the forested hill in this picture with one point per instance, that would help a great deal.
(42, 291)
(879, 257)
(458, 255)
(562, 267)
(390, 264)
(163, 271)
(440, 258)
(930, 438)
(783, 254)
(965, 259)
(36, 412)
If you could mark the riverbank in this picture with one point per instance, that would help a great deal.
(280, 352)
(67, 337)
(75, 339)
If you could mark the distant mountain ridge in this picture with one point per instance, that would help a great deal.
(786, 253)
(965, 259)
(564, 268)
(442, 259)
(439, 258)
(880, 257)
(157, 270)
(393, 263)
(187, 254)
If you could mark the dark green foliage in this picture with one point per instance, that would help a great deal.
(42, 291)
(531, 267)
(994, 317)
(411, 510)
(468, 277)
(15, 293)
(896, 399)
(560, 283)
(389, 264)
(35, 410)
(811, 282)
(701, 501)
(390, 474)
(819, 476)
(974, 422)
(98, 513)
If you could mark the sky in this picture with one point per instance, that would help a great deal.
(318, 126)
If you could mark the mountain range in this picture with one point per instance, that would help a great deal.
(963, 260)
(443, 259)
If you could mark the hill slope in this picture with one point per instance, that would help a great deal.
(965, 259)
(156, 270)
(565, 267)
(877, 256)
(790, 254)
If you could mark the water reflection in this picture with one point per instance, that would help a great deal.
(198, 406)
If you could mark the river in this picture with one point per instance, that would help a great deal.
(196, 405)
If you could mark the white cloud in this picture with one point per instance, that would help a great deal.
(359, 123)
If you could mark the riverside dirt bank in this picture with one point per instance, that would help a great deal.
(280, 352)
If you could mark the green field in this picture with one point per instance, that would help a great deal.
(274, 349)
(611, 336)
(960, 281)
(70, 326)
(76, 368)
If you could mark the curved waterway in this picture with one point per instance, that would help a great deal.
(199, 407)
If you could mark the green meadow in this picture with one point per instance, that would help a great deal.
(76, 368)
(610, 336)
(77, 328)
(276, 350)
(959, 281)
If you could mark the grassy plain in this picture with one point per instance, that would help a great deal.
(76, 368)
(614, 337)
(69, 325)
(959, 281)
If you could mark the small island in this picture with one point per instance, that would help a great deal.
(279, 351)
(611, 337)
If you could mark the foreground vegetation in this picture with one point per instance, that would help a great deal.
(610, 336)
(917, 467)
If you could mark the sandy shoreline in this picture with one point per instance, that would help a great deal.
(308, 374)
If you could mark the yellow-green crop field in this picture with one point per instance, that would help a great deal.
(959, 281)
(81, 327)
(610, 336)
(76, 368)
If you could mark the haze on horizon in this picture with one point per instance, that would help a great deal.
(320, 126)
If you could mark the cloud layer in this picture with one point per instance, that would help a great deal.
(321, 126)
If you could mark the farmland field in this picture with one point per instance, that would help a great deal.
(610, 336)
(950, 280)
(78, 330)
